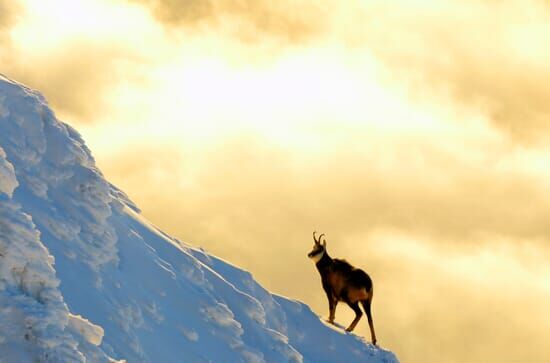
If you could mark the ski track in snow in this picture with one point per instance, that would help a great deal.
(85, 278)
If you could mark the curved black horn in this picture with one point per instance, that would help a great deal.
(315, 239)
(320, 237)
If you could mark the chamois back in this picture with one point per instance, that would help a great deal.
(355, 276)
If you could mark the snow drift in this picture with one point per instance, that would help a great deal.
(85, 278)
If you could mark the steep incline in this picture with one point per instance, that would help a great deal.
(35, 323)
(120, 288)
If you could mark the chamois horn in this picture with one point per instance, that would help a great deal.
(317, 240)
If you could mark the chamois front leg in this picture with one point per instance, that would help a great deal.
(332, 302)
(358, 314)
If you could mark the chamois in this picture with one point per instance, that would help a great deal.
(343, 282)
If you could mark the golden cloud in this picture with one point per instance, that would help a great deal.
(9, 12)
(249, 20)
(487, 55)
(76, 77)
(443, 195)
(8, 9)
(74, 64)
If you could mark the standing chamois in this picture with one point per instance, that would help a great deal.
(343, 282)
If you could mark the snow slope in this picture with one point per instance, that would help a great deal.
(85, 278)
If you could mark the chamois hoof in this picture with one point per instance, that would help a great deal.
(330, 321)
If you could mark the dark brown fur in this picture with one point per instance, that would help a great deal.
(343, 282)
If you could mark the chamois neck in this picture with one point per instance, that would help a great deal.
(324, 262)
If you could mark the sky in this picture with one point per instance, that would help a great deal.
(412, 133)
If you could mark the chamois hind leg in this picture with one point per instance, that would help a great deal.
(358, 314)
(366, 307)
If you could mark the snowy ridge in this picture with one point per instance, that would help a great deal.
(85, 278)
(33, 315)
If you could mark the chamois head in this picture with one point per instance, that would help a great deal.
(319, 248)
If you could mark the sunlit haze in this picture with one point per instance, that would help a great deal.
(412, 133)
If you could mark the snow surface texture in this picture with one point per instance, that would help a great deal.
(120, 289)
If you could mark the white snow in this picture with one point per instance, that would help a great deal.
(85, 278)
(91, 332)
(33, 314)
(8, 182)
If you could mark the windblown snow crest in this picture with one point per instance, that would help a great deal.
(34, 319)
(85, 278)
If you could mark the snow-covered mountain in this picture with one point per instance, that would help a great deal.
(85, 278)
